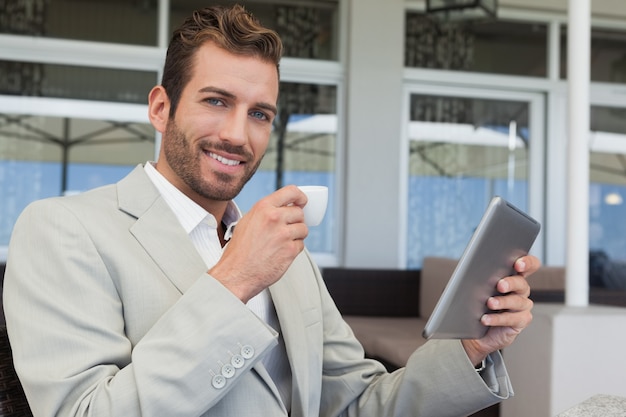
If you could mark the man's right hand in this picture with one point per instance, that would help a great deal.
(264, 244)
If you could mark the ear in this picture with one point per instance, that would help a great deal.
(158, 108)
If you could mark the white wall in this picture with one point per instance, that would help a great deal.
(566, 356)
(373, 127)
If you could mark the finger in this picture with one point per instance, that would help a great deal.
(293, 214)
(511, 302)
(518, 320)
(287, 196)
(514, 284)
(268, 211)
(527, 264)
(300, 231)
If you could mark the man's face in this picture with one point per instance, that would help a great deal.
(222, 125)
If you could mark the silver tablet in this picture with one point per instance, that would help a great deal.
(504, 234)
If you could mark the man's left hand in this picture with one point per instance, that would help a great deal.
(512, 312)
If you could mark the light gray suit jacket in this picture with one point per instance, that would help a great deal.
(111, 312)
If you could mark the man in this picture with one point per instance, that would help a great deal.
(143, 299)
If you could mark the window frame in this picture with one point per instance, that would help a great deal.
(536, 111)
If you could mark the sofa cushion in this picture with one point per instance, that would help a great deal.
(436, 273)
(391, 339)
(548, 278)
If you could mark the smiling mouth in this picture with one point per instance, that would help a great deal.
(225, 161)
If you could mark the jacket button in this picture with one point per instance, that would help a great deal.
(237, 361)
(228, 371)
(247, 351)
(218, 382)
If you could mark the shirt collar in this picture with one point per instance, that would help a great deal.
(188, 212)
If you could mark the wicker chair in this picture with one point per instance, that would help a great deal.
(12, 399)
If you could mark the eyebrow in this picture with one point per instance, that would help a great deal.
(262, 105)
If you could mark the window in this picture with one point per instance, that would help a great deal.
(308, 29)
(65, 81)
(463, 150)
(607, 194)
(115, 21)
(45, 156)
(608, 60)
(476, 46)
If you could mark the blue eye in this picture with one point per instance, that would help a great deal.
(258, 115)
(215, 101)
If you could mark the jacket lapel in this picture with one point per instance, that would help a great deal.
(262, 372)
(157, 229)
(293, 330)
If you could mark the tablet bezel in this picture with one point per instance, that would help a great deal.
(504, 234)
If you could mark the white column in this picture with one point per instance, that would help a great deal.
(375, 65)
(578, 63)
(163, 27)
(554, 50)
(163, 40)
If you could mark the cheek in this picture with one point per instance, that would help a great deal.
(201, 129)
(259, 141)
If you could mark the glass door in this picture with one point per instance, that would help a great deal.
(464, 147)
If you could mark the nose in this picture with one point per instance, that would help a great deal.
(234, 127)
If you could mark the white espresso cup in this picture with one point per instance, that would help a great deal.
(315, 207)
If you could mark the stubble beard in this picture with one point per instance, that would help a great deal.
(186, 162)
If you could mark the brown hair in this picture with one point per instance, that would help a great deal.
(231, 28)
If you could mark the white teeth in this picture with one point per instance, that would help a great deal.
(223, 160)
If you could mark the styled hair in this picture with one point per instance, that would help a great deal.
(231, 28)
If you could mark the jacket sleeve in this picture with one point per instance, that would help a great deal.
(69, 328)
(439, 379)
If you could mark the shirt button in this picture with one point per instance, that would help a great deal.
(218, 382)
(237, 361)
(228, 371)
(247, 351)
